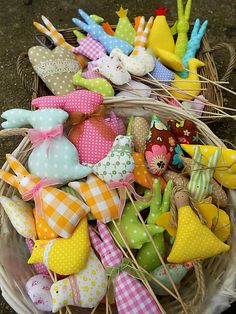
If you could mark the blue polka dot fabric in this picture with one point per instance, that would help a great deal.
(162, 73)
(97, 32)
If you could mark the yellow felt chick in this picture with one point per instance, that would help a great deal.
(21, 216)
(194, 240)
(187, 84)
(225, 172)
(64, 256)
(160, 35)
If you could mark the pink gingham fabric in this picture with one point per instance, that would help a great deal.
(90, 48)
(130, 294)
(77, 101)
(132, 297)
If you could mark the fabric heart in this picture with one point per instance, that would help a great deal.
(56, 68)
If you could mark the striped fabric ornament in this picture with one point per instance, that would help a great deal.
(200, 180)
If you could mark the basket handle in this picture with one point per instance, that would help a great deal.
(13, 132)
(232, 58)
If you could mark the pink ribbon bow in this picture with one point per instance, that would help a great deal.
(37, 137)
(34, 193)
(122, 186)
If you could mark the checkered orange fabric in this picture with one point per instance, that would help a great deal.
(62, 211)
(103, 202)
(142, 35)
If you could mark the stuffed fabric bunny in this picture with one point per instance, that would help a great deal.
(83, 289)
(130, 295)
(90, 48)
(97, 32)
(62, 211)
(53, 155)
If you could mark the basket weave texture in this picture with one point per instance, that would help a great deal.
(205, 288)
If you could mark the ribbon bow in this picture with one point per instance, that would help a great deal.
(113, 272)
(34, 193)
(37, 137)
(122, 186)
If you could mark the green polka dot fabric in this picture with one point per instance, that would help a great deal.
(124, 29)
(118, 163)
(55, 67)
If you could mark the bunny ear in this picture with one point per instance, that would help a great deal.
(94, 238)
(41, 28)
(48, 24)
(104, 233)
(16, 166)
(196, 164)
(9, 178)
(212, 162)
(49, 102)
(86, 17)
(80, 24)
(148, 27)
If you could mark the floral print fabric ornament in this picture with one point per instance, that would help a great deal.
(185, 131)
(161, 149)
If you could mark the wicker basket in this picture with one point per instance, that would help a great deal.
(206, 289)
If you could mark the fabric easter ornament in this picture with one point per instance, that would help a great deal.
(134, 89)
(193, 44)
(225, 172)
(77, 101)
(147, 256)
(161, 73)
(83, 289)
(53, 155)
(140, 62)
(161, 149)
(139, 131)
(161, 42)
(64, 256)
(197, 105)
(98, 33)
(124, 29)
(177, 273)
(131, 226)
(55, 67)
(190, 233)
(130, 294)
(112, 69)
(90, 48)
(44, 232)
(99, 84)
(141, 173)
(20, 214)
(62, 211)
(185, 84)
(103, 202)
(185, 131)
(38, 289)
(98, 134)
(40, 268)
(200, 179)
(58, 39)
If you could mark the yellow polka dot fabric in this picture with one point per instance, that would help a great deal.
(65, 256)
(194, 241)
(225, 172)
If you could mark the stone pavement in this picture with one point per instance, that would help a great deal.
(17, 35)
